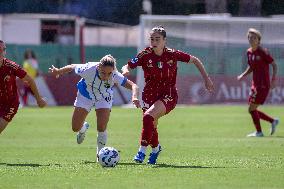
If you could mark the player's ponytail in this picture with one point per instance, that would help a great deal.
(108, 60)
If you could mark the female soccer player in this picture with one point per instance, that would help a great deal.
(95, 89)
(258, 60)
(160, 94)
(9, 99)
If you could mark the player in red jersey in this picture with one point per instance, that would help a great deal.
(160, 94)
(9, 99)
(259, 60)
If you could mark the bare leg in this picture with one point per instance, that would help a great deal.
(78, 118)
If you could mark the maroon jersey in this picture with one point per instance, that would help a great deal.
(8, 88)
(159, 71)
(259, 61)
(160, 74)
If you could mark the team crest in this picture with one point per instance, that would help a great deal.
(107, 85)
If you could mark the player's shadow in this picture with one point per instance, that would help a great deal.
(28, 165)
(89, 162)
(163, 165)
(135, 164)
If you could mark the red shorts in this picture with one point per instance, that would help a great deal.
(7, 112)
(169, 100)
(258, 96)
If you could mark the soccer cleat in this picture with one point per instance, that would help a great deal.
(153, 156)
(81, 136)
(139, 158)
(273, 126)
(255, 134)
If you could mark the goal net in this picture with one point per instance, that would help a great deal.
(220, 42)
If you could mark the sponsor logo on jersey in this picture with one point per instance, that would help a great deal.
(134, 60)
(81, 70)
(150, 65)
(257, 57)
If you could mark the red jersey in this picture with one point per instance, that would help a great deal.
(9, 70)
(259, 61)
(160, 72)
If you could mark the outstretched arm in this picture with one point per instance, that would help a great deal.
(274, 72)
(125, 70)
(40, 101)
(208, 83)
(245, 73)
(60, 71)
(135, 91)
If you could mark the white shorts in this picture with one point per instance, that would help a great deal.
(83, 102)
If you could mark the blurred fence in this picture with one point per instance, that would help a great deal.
(61, 55)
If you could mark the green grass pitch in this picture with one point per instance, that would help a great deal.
(203, 147)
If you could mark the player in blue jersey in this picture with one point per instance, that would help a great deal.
(95, 89)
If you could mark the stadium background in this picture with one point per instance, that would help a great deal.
(103, 20)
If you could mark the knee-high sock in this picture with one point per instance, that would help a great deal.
(155, 138)
(265, 117)
(147, 130)
(101, 140)
(256, 121)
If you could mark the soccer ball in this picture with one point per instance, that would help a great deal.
(108, 157)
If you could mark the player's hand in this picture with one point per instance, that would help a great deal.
(54, 71)
(125, 71)
(209, 85)
(136, 102)
(273, 84)
(41, 102)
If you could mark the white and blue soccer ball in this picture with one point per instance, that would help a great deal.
(108, 157)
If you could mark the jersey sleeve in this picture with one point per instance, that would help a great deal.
(137, 60)
(84, 70)
(182, 56)
(19, 71)
(269, 59)
(119, 78)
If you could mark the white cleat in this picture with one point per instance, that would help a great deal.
(255, 134)
(273, 126)
(81, 136)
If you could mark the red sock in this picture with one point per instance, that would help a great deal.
(265, 116)
(155, 138)
(147, 130)
(256, 121)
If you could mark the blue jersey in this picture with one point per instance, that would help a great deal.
(92, 87)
